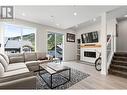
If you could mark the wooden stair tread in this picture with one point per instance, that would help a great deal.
(120, 72)
(119, 61)
(120, 57)
(119, 66)
(120, 53)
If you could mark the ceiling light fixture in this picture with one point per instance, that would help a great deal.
(75, 13)
(52, 18)
(52, 21)
(23, 14)
(125, 15)
(58, 24)
(94, 19)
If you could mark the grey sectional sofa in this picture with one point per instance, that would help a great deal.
(17, 71)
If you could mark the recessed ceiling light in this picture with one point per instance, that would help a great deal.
(94, 19)
(58, 24)
(23, 14)
(125, 15)
(52, 21)
(75, 13)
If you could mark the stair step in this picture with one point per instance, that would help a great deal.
(118, 73)
(124, 54)
(118, 67)
(116, 62)
(120, 58)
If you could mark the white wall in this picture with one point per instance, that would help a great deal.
(122, 36)
(111, 29)
(41, 35)
(1, 38)
(86, 29)
(91, 28)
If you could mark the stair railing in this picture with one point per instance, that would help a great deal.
(109, 49)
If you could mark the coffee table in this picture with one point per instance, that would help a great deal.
(53, 69)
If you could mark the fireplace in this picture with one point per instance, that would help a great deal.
(89, 54)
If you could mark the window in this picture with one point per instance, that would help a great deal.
(19, 39)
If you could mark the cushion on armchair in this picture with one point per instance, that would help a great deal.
(16, 66)
(16, 58)
(41, 56)
(30, 57)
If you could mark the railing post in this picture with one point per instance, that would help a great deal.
(104, 43)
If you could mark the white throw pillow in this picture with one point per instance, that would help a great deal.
(5, 57)
(4, 63)
(1, 69)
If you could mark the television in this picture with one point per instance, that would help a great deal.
(91, 37)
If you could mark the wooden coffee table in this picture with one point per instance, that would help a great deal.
(53, 69)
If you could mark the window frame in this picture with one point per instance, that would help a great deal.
(21, 27)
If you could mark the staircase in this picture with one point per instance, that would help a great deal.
(118, 65)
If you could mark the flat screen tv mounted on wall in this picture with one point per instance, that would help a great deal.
(91, 37)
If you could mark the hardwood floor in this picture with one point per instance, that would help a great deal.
(96, 80)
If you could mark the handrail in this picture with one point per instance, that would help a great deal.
(110, 50)
(109, 47)
(108, 41)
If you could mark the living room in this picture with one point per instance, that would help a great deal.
(73, 25)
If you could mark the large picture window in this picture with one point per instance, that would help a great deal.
(19, 39)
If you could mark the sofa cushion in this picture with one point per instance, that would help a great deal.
(1, 69)
(15, 58)
(33, 68)
(30, 57)
(33, 63)
(5, 57)
(41, 56)
(15, 72)
(4, 63)
(21, 83)
(16, 66)
(15, 77)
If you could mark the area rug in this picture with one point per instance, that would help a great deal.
(76, 76)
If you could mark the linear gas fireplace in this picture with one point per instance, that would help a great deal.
(89, 54)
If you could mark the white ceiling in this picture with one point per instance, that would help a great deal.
(60, 16)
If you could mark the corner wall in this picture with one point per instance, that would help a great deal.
(122, 36)
(111, 29)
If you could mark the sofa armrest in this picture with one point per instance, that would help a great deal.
(23, 83)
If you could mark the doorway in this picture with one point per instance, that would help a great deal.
(55, 45)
